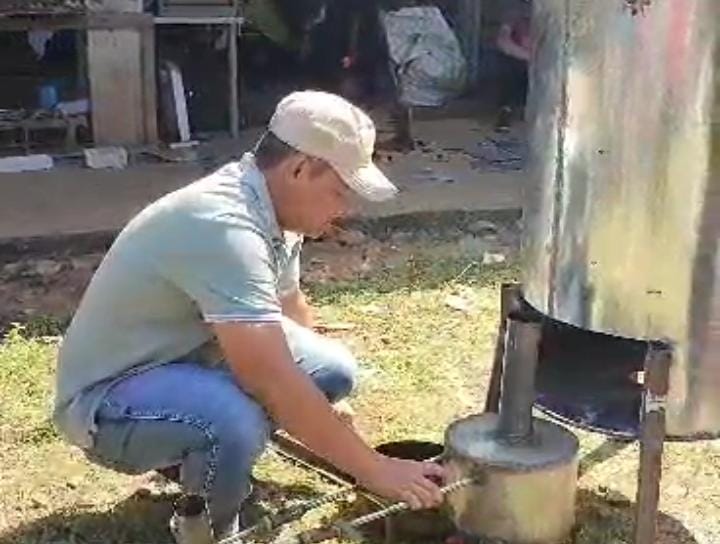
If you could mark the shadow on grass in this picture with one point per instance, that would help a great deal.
(604, 452)
(141, 518)
(609, 518)
(602, 518)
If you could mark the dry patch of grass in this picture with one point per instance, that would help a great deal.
(424, 364)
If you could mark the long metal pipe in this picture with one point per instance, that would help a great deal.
(518, 382)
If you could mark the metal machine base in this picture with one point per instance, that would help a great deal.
(658, 360)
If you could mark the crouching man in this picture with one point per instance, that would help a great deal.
(192, 343)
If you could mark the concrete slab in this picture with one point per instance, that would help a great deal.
(73, 200)
(440, 176)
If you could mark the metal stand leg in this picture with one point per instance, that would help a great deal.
(657, 370)
(509, 297)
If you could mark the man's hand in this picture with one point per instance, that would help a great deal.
(507, 44)
(409, 481)
(263, 366)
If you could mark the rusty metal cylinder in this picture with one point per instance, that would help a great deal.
(525, 493)
(525, 468)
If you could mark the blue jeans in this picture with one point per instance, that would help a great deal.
(199, 418)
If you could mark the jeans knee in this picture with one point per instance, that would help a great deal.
(244, 439)
(338, 378)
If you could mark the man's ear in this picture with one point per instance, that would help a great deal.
(299, 167)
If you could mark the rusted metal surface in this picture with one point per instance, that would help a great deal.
(623, 208)
(520, 465)
(518, 481)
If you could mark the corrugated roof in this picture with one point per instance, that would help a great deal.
(21, 7)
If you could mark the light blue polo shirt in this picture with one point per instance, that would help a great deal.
(207, 253)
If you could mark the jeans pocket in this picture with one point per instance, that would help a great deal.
(109, 445)
(137, 441)
(112, 431)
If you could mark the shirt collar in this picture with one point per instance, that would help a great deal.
(255, 179)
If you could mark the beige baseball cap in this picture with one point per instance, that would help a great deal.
(328, 127)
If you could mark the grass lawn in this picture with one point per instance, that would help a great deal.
(424, 364)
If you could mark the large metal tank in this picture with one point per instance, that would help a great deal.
(623, 208)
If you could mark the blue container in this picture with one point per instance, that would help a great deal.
(48, 96)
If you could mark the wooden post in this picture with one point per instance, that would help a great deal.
(470, 15)
(121, 69)
(233, 79)
(149, 84)
(509, 296)
(81, 58)
(116, 96)
(657, 377)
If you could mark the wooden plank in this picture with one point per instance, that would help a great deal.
(116, 86)
(68, 22)
(115, 6)
(173, 20)
(149, 85)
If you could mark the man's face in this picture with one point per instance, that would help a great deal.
(316, 197)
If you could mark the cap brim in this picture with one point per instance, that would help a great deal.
(369, 182)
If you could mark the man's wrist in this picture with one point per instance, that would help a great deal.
(368, 468)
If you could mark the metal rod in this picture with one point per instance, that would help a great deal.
(509, 297)
(288, 515)
(345, 530)
(657, 378)
(293, 513)
(298, 452)
(403, 506)
(518, 381)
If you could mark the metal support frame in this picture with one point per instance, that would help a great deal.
(652, 439)
(233, 24)
(658, 361)
(509, 301)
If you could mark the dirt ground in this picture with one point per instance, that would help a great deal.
(42, 281)
(425, 324)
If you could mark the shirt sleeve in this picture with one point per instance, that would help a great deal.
(231, 275)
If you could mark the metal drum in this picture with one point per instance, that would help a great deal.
(623, 205)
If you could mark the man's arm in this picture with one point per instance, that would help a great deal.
(507, 45)
(262, 364)
(296, 307)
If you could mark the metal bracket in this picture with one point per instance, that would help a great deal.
(654, 403)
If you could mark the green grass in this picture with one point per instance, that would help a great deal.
(424, 364)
